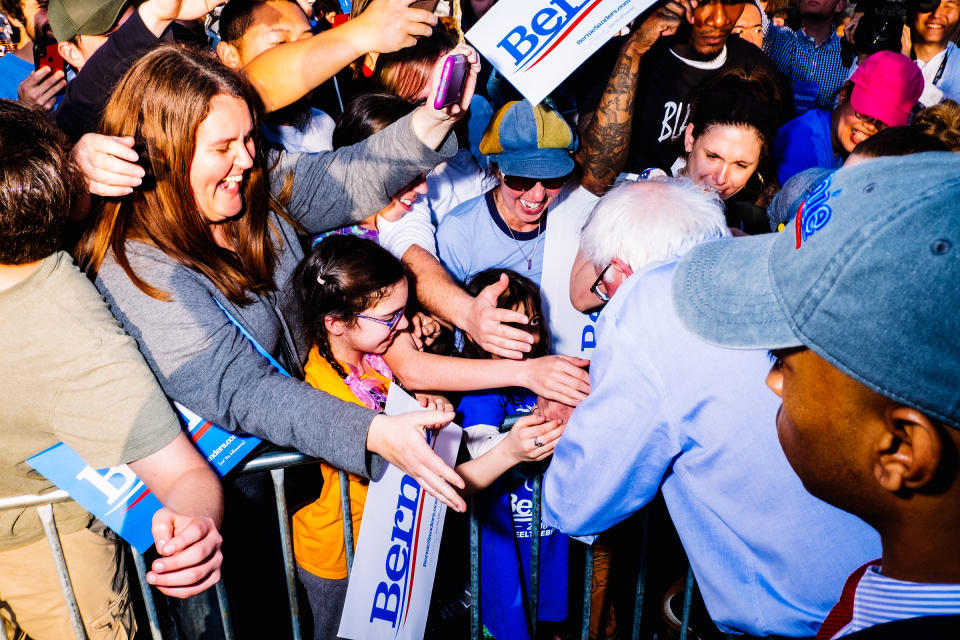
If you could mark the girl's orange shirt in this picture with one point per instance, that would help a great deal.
(317, 529)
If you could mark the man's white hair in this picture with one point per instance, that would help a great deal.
(650, 221)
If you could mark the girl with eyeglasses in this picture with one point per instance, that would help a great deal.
(353, 295)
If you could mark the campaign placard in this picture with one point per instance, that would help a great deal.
(536, 44)
(388, 595)
(115, 495)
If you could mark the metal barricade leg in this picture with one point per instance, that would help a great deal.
(687, 602)
(224, 606)
(148, 602)
(347, 518)
(288, 562)
(587, 592)
(53, 538)
(474, 572)
(641, 575)
(535, 555)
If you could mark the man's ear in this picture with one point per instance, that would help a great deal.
(72, 54)
(622, 267)
(334, 326)
(229, 55)
(688, 139)
(909, 451)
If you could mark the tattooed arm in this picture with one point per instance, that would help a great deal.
(606, 139)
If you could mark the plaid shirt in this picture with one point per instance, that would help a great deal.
(798, 58)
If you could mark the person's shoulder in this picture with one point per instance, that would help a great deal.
(743, 54)
(647, 289)
(464, 215)
(809, 121)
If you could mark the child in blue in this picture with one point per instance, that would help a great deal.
(504, 509)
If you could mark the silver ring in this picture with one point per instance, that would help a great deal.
(536, 442)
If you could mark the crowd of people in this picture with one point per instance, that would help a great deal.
(715, 267)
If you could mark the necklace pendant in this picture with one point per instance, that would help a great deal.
(529, 264)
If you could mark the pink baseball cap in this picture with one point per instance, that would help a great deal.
(886, 87)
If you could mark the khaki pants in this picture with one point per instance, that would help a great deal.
(32, 603)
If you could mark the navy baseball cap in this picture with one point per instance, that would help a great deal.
(867, 275)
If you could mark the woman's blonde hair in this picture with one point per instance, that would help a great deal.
(160, 102)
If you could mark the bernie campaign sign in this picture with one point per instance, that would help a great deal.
(396, 561)
(536, 44)
(117, 496)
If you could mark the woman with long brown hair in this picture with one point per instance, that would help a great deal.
(213, 230)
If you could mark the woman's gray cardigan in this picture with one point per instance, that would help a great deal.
(202, 360)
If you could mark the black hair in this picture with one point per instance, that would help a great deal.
(366, 114)
(237, 17)
(38, 188)
(340, 277)
(738, 97)
(898, 141)
(521, 291)
(14, 9)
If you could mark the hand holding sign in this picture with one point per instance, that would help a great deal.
(400, 439)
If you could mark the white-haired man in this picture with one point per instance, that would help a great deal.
(670, 411)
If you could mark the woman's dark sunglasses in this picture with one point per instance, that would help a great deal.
(519, 183)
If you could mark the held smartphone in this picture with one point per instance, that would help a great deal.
(426, 5)
(46, 54)
(452, 77)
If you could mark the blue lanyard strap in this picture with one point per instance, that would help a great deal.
(256, 345)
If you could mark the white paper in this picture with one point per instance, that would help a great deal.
(536, 44)
(388, 595)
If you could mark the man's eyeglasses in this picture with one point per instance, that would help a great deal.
(519, 183)
(390, 323)
(595, 287)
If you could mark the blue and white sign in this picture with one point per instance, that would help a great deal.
(396, 561)
(115, 495)
(536, 44)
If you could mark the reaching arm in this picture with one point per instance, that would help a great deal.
(479, 317)
(606, 140)
(560, 378)
(520, 445)
(186, 528)
(284, 74)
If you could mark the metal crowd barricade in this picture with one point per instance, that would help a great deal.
(276, 462)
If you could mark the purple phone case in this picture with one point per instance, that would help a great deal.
(450, 89)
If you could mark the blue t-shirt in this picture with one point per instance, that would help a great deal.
(473, 237)
(13, 71)
(505, 516)
(804, 142)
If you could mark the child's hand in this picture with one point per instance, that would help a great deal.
(426, 329)
(434, 402)
(532, 439)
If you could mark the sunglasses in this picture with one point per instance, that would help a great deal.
(390, 323)
(876, 124)
(519, 183)
(595, 287)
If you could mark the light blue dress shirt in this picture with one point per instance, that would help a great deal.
(669, 411)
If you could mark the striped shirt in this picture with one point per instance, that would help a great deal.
(880, 599)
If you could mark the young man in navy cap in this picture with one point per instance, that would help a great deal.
(857, 300)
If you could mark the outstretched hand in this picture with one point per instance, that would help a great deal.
(401, 440)
(158, 14)
(190, 556)
(560, 378)
(433, 125)
(532, 439)
(486, 324)
(390, 25)
(108, 163)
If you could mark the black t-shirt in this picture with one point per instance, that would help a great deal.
(667, 86)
